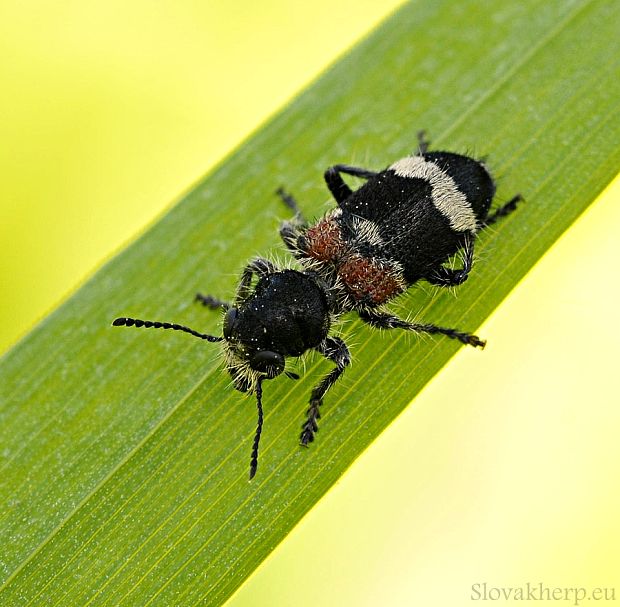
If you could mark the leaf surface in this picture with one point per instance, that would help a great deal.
(125, 453)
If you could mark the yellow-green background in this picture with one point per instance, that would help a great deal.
(108, 111)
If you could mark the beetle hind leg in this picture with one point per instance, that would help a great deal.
(423, 143)
(339, 189)
(502, 211)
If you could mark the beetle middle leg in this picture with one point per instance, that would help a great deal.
(447, 277)
(383, 320)
(334, 349)
(291, 203)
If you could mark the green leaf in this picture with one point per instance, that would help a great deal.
(125, 453)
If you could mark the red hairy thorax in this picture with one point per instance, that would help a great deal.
(324, 242)
(365, 279)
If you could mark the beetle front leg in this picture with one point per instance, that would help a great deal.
(213, 303)
(334, 349)
(261, 267)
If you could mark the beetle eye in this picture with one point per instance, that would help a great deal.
(229, 322)
(268, 362)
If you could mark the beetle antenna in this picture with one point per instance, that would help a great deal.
(259, 428)
(151, 324)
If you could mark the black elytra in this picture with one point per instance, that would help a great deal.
(401, 226)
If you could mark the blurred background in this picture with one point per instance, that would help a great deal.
(109, 111)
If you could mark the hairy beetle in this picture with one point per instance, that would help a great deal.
(400, 227)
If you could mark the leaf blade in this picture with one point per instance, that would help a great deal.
(213, 519)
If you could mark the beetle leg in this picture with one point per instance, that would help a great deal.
(290, 229)
(334, 349)
(383, 320)
(447, 277)
(339, 189)
(423, 144)
(214, 303)
(504, 210)
(291, 203)
(259, 266)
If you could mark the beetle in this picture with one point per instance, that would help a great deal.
(400, 227)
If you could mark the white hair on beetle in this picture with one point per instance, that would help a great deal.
(447, 198)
